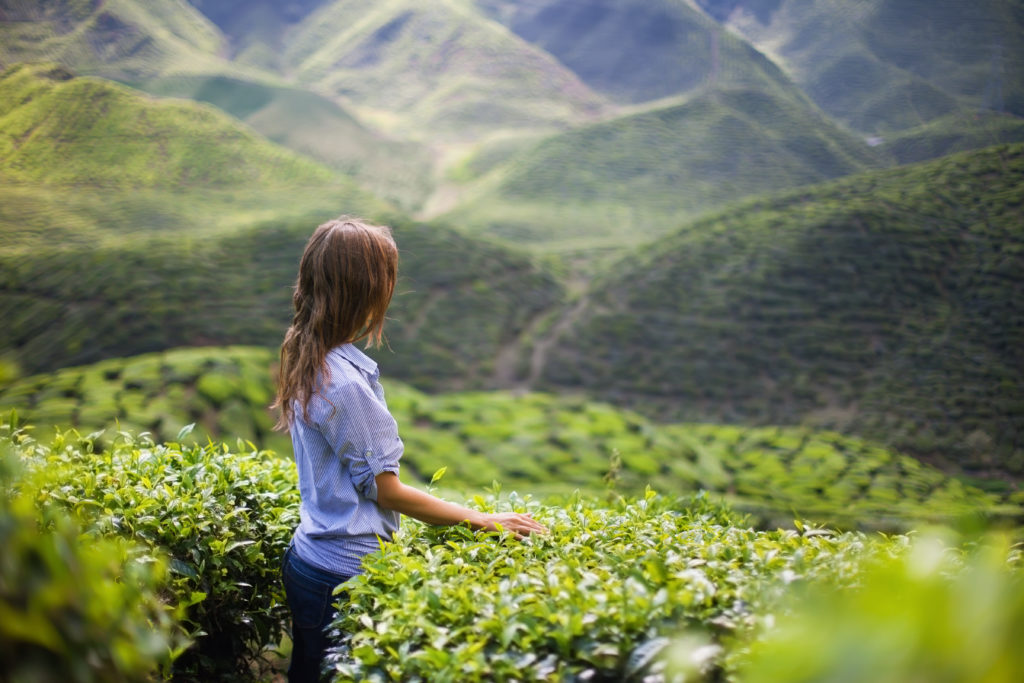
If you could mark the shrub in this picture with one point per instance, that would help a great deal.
(74, 608)
(933, 614)
(592, 600)
(224, 518)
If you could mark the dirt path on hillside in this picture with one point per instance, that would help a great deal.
(507, 362)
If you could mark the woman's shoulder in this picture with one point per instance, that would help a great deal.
(347, 358)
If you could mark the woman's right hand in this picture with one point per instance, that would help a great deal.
(519, 524)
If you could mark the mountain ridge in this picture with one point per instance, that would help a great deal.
(884, 304)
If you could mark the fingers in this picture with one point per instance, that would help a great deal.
(520, 524)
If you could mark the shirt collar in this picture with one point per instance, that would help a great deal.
(357, 358)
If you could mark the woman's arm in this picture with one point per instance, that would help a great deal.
(394, 495)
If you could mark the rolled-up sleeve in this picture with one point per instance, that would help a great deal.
(361, 431)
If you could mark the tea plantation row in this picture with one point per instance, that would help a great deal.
(535, 443)
(162, 560)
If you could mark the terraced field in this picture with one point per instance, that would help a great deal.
(532, 443)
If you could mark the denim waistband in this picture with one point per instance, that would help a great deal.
(311, 570)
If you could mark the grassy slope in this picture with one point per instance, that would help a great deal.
(530, 443)
(887, 65)
(640, 50)
(458, 303)
(438, 69)
(122, 39)
(951, 134)
(316, 127)
(638, 175)
(57, 130)
(886, 304)
(86, 162)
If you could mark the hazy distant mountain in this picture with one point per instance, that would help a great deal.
(255, 30)
(639, 50)
(642, 175)
(122, 39)
(884, 65)
(437, 70)
(886, 304)
(316, 126)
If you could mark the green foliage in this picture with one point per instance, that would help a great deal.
(551, 445)
(224, 519)
(224, 393)
(884, 305)
(74, 607)
(585, 600)
(537, 443)
(933, 614)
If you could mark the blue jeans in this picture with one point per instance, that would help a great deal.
(309, 591)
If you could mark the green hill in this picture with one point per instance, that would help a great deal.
(886, 305)
(459, 302)
(84, 161)
(885, 65)
(58, 130)
(640, 50)
(951, 134)
(531, 443)
(638, 175)
(122, 39)
(316, 127)
(435, 69)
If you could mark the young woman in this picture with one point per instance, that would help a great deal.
(346, 443)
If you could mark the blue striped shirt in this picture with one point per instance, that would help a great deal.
(348, 439)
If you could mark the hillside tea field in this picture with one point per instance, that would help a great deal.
(537, 443)
(729, 294)
(674, 588)
(884, 305)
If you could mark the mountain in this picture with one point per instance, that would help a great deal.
(951, 134)
(255, 30)
(640, 50)
(640, 175)
(59, 130)
(458, 304)
(887, 65)
(886, 305)
(439, 70)
(120, 39)
(316, 127)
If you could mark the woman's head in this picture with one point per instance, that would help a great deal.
(346, 278)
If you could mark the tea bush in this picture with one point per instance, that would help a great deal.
(76, 609)
(224, 518)
(933, 614)
(592, 600)
(775, 473)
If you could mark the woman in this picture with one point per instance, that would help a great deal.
(346, 443)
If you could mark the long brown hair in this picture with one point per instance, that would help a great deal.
(346, 278)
